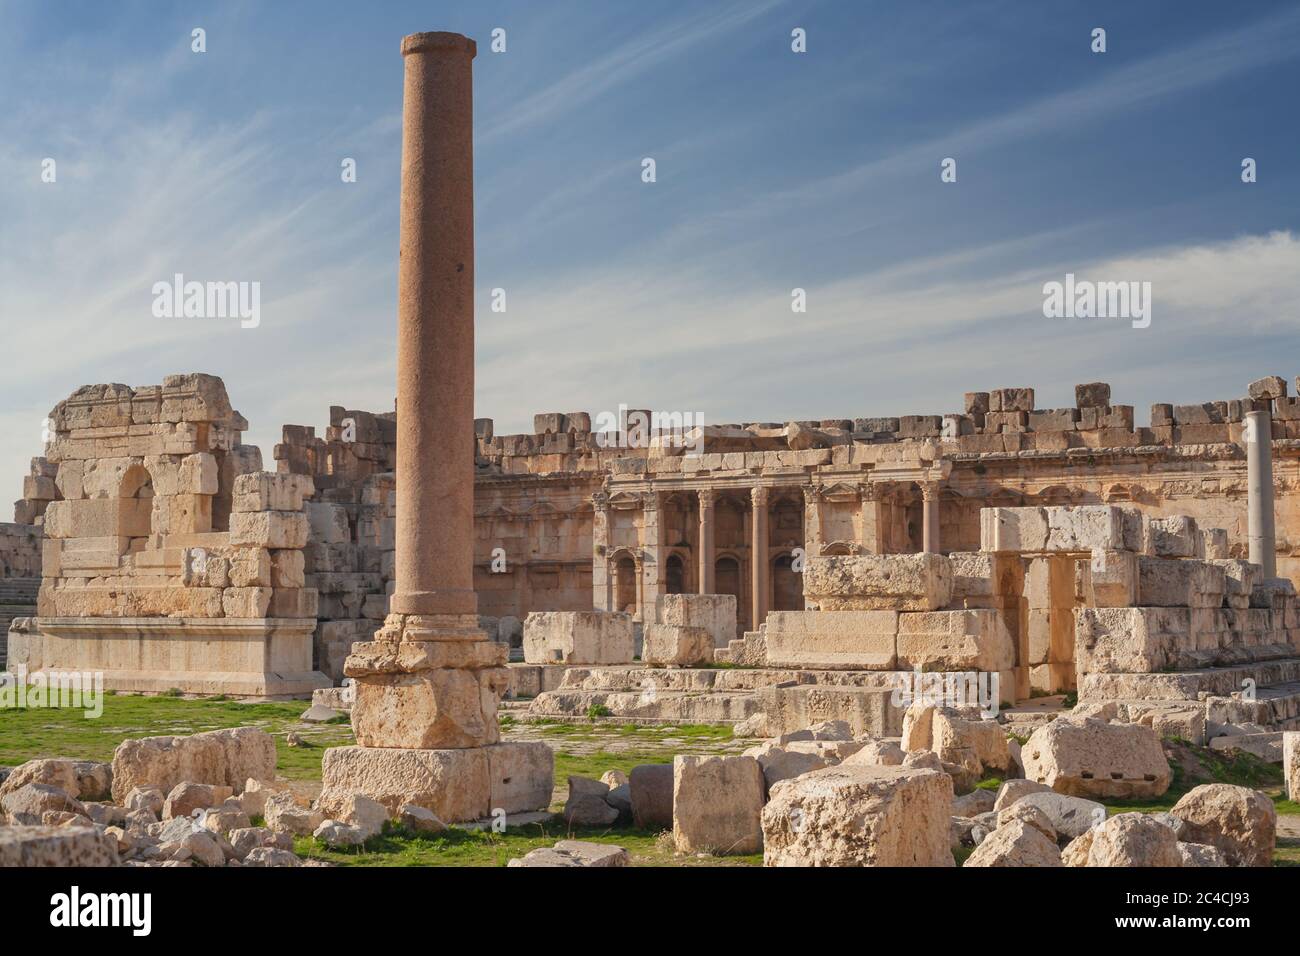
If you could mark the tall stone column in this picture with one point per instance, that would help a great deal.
(601, 598)
(930, 516)
(428, 685)
(652, 571)
(812, 521)
(758, 556)
(1258, 436)
(706, 558)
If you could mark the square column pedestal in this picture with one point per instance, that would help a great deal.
(425, 718)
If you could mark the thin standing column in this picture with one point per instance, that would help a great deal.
(758, 556)
(1258, 436)
(930, 517)
(706, 558)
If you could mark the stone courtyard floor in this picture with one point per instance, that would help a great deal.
(582, 747)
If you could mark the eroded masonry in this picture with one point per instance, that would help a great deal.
(1061, 549)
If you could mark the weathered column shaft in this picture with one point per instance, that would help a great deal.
(435, 331)
(601, 598)
(758, 557)
(706, 558)
(1258, 436)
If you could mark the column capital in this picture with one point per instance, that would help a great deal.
(758, 495)
(707, 497)
(650, 501)
(930, 489)
(812, 494)
(600, 501)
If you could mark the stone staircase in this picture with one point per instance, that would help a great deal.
(17, 599)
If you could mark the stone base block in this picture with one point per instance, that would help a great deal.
(851, 639)
(898, 582)
(254, 657)
(717, 612)
(457, 785)
(578, 637)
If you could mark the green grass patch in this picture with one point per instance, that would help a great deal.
(457, 847)
(28, 733)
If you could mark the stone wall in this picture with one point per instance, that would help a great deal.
(169, 560)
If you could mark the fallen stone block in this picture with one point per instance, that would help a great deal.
(223, 757)
(1132, 840)
(1095, 759)
(574, 853)
(1240, 822)
(714, 612)
(717, 802)
(56, 846)
(1070, 817)
(859, 816)
(1016, 843)
(652, 796)
(586, 805)
(1291, 764)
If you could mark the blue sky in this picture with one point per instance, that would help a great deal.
(775, 170)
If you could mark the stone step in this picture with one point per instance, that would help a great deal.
(1189, 685)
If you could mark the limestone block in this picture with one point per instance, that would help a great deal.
(859, 640)
(858, 815)
(677, 645)
(717, 803)
(428, 709)
(453, 784)
(1291, 764)
(1011, 400)
(292, 602)
(578, 637)
(974, 639)
(1169, 582)
(1092, 395)
(1130, 640)
(271, 491)
(246, 602)
(250, 568)
(521, 776)
(1269, 387)
(1016, 843)
(1132, 840)
(781, 763)
(97, 518)
(197, 475)
(1053, 419)
(652, 796)
(1091, 758)
(268, 529)
(1173, 537)
(1240, 822)
(573, 853)
(868, 711)
(75, 846)
(194, 398)
(956, 738)
(223, 757)
(1013, 530)
(287, 570)
(1112, 578)
(1214, 543)
(1070, 816)
(716, 612)
(897, 582)
(69, 480)
(973, 583)
(1085, 528)
(179, 514)
(586, 805)
(1240, 579)
(82, 779)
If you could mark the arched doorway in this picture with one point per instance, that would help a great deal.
(625, 585)
(787, 585)
(674, 575)
(135, 503)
